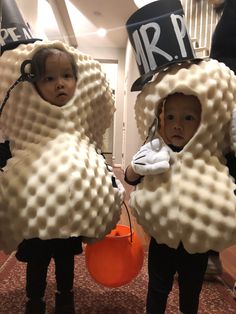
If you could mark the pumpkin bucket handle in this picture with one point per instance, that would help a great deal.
(130, 225)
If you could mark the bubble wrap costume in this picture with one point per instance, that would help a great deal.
(193, 202)
(56, 185)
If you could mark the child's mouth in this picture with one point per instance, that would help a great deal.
(178, 137)
(61, 95)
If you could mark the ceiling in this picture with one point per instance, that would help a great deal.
(76, 21)
(109, 14)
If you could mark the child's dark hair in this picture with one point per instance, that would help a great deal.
(156, 124)
(39, 58)
(37, 69)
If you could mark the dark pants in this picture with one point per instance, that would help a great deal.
(38, 254)
(163, 263)
(36, 276)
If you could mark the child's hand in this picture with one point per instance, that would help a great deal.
(117, 184)
(151, 159)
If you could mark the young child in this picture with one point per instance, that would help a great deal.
(55, 74)
(55, 77)
(182, 115)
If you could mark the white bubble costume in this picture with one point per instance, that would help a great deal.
(194, 201)
(56, 185)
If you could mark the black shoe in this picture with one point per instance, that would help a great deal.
(35, 306)
(65, 303)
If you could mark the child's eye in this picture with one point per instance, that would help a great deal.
(170, 117)
(68, 75)
(189, 118)
(48, 78)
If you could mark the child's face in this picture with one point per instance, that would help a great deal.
(182, 114)
(58, 84)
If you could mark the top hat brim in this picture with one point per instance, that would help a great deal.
(13, 45)
(142, 80)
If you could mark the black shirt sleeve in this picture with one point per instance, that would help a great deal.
(5, 153)
(132, 182)
(231, 164)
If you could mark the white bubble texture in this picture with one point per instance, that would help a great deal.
(194, 202)
(56, 185)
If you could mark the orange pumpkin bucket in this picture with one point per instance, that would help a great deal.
(117, 259)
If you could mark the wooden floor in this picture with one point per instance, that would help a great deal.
(228, 259)
(228, 256)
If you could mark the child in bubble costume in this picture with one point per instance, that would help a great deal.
(201, 163)
(56, 189)
(186, 198)
(223, 49)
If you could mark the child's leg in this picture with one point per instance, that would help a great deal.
(35, 306)
(64, 262)
(36, 253)
(191, 271)
(36, 274)
(161, 270)
(64, 270)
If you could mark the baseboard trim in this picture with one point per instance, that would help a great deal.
(117, 166)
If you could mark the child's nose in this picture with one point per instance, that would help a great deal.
(59, 83)
(178, 125)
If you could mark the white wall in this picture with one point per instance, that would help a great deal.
(117, 144)
(35, 13)
(29, 13)
(131, 138)
(119, 56)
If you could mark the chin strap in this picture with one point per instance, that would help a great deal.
(20, 79)
(25, 77)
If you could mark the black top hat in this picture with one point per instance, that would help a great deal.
(223, 47)
(159, 37)
(14, 30)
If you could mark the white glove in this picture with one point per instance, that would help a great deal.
(117, 184)
(121, 189)
(151, 159)
(233, 131)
